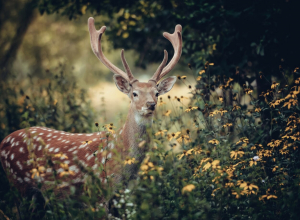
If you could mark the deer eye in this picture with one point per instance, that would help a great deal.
(134, 94)
(157, 94)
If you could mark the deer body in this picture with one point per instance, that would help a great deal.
(23, 152)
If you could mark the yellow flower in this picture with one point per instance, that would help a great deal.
(214, 141)
(188, 188)
(268, 197)
(201, 72)
(290, 102)
(235, 107)
(173, 135)
(273, 104)
(66, 170)
(185, 153)
(161, 103)
(248, 186)
(274, 85)
(34, 172)
(215, 164)
(129, 161)
(167, 113)
(248, 91)
(222, 111)
(37, 171)
(235, 154)
(274, 169)
(63, 156)
(160, 132)
(227, 125)
(184, 138)
(213, 113)
(190, 108)
(257, 110)
(236, 194)
(199, 78)
(84, 142)
(109, 128)
(221, 99)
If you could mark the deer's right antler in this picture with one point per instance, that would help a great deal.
(97, 49)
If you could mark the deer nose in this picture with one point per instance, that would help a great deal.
(151, 105)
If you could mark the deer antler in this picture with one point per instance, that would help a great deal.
(176, 40)
(97, 49)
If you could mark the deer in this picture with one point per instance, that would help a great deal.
(22, 151)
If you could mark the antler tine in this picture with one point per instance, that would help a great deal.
(160, 68)
(176, 40)
(127, 69)
(97, 49)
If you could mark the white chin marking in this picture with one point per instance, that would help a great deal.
(143, 120)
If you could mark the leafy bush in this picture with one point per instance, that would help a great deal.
(238, 161)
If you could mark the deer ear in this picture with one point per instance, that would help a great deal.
(166, 85)
(122, 84)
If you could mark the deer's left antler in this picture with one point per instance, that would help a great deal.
(176, 40)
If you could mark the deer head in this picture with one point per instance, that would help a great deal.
(143, 95)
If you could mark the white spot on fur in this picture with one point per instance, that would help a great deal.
(74, 168)
(94, 166)
(41, 133)
(27, 174)
(33, 132)
(60, 170)
(49, 170)
(26, 179)
(90, 157)
(75, 152)
(51, 149)
(67, 142)
(111, 145)
(56, 150)
(19, 165)
(20, 180)
(22, 150)
(109, 156)
(12, 156)
(17, 143)
(40, 147)
(82, 146)
(49, 135)
(103, 160)
(47, 146)
(73, 148)
(12, 140)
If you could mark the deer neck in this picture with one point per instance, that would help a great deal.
(134, 134)
(135, 130)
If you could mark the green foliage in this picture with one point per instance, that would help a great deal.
(236, 161)
(251, 35)
(55, 102)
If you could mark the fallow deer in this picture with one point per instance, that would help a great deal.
(23, 151)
